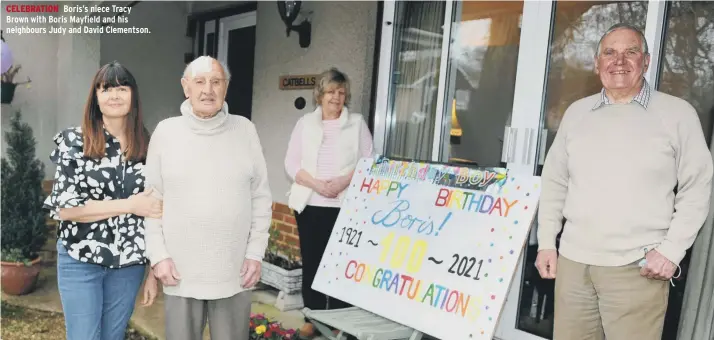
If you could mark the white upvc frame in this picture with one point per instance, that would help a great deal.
(208, 28)
(442, 88)
(654, 33)
(525, 123)
(384, 78)
(228, 24)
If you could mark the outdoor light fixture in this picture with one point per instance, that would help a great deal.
(289, 11)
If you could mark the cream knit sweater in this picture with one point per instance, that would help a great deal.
(612, 172)
(212, 177)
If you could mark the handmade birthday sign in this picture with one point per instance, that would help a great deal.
(430, 246)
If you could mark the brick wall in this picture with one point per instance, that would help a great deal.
(283, 219)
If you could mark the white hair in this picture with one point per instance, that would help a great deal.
(645, 48)
(204, 63)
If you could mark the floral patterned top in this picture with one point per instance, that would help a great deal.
(114, 242)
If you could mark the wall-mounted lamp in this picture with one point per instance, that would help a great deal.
(289, 11)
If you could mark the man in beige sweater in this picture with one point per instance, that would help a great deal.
(208, 167)
(631, 174)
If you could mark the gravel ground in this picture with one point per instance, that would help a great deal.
(19, 323)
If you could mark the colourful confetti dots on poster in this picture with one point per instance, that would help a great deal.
(511, 252)
(515, 222)
(500, 280)
(492, 229)
(528, 194)
(493, 297)
(518, 187)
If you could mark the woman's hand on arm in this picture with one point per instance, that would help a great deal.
(321, 187)
(340, 183)
(141, 204)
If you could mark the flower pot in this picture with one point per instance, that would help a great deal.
(7, 92)
(19, 279)
(288, 281)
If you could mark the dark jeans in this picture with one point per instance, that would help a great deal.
(97, 301)
(315, 227)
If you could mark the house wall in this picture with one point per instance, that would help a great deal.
(61, 68)
(157, 59)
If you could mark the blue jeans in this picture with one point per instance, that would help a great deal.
(97, 301)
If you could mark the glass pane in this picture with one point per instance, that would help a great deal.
(687, 72)
(418, 34)
(482, 63)
(576, 31)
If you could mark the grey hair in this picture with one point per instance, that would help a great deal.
(331, 76)
(645, 47)
(204, 58)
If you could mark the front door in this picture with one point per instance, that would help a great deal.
(236, 50)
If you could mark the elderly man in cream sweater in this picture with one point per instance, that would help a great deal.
(208, 167)
(631, 174)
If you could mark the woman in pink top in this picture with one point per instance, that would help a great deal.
(324, 149)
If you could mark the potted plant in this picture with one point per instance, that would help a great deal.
(9, 71)
(8, 87)
(280, 267)
(262, 328)
(24, 231)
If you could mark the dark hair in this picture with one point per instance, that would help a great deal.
(111, 75)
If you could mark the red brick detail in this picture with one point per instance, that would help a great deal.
(292, 240)
(289, 220)
(282, 208)
(284, 228)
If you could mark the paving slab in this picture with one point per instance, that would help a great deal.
(149, 320)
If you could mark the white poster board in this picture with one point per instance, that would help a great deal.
(433, 247)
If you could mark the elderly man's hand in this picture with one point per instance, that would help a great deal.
(546, 262)
(658, 267)
(166, 272)
(250, 273)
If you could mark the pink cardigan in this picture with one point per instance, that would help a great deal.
(327, 157)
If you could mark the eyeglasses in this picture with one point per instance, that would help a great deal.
(215, 82)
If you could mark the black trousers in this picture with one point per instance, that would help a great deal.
(314, 228)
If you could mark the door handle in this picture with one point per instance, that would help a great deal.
(510, 137)
(542, 149)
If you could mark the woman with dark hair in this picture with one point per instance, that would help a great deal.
(99, 200)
